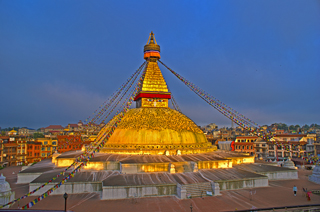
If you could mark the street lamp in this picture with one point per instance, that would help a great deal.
(65, 196)
(191, 207)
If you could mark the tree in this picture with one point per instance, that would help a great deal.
(291, 127)
(38, 135)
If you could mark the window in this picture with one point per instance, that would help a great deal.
(45, 143)
(48, 148)
(43, 154)
(251, 147)
(54, 143)
(43, 149)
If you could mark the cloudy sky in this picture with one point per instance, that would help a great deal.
(60, 59)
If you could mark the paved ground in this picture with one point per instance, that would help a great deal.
(279, 193)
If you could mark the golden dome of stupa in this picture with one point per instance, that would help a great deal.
(152, 127)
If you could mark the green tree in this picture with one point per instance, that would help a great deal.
(3, 133)
(291, 127)
(305, 127)
(38, 135)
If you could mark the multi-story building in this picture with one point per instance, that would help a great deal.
(245, 144)
(261, 148)
(9, 150)
(48, 146)
(72, 127)
(291, 145)
(69, 143)
(317, 146)
(26, 131)
(33, 151)
(21, 149)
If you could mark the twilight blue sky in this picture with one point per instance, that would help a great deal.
(60, 59)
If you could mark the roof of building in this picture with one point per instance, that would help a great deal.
(40, 167)
(27, 128)
(261, 168)
(126, 158)
(54, 127)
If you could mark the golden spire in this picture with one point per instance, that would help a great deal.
(154, 91)
(151, 49)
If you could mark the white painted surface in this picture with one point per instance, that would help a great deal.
(27, 177)
(69, 187)
(123, 192)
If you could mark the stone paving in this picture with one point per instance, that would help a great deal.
(279, 193)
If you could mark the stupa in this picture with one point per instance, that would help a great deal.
(152, 127)
(315, 177)
(6, 195)
(154, 151)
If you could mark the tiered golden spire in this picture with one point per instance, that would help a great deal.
(154, 91)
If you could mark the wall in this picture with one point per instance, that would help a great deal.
(70, 188)
(242, 183)
(123, 192)
(283, 175)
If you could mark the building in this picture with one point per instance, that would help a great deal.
(245, 144)
(21, 150)
(70, 142)
(12, 132)
(261, 148)
(72, 127)
(26, 131)
(9, 151)
(55, 128)
(33, 151)
(284, 146)
(48, 146)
